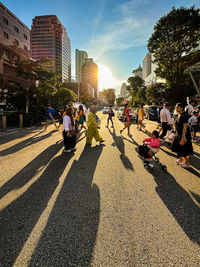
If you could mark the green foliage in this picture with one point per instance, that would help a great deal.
(175, 36)
(63, 97)
(109, 95)
(119, 101)
(156, 93)
(87, 99)
(137, 90)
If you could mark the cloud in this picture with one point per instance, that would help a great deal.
(129, 30)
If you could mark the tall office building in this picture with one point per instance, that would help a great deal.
(90, 76)
(49, 39)
(123, 91)
(14, 46)
(80, 60)
(137, 72)
(146, 66)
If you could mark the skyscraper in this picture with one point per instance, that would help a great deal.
(49, 39)
(80, 60)
(123, 91)
(90, 76)
(146, 66)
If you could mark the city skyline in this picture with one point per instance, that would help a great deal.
(114, 33)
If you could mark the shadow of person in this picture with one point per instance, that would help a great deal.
(25, 143)
(70, 234)
(18, 219)
(179, 203)
(30, 170)
(119, 143)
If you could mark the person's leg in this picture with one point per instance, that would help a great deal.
(123, 128)
(83, 126)
(164, 130)
(72, 142)
(187, 161)
(66, 141)
(45, 127)
(55, 124)
(111, 121)
(90, 135)
(128, 128)
(140, 124)
(97, 136)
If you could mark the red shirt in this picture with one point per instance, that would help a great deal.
(126, 111)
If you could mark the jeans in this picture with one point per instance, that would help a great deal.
(109, 119)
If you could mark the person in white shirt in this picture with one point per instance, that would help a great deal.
(190, 108)
(68, 129)
(166, 120)
(193, 124)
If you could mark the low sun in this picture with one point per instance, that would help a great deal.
(106, 79)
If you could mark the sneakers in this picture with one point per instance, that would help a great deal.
(73, 149)
(67, 150)
(102, 141)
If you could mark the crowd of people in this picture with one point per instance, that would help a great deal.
(183, 125)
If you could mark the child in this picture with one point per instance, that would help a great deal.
(153, 143)
(193, 123)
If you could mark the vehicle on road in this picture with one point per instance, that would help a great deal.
(116, 108)
(133, 114)
(106, 110)
(151, 112)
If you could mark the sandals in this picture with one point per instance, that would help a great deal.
(185, 166)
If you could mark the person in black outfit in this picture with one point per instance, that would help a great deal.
(182, 144)
(110, 115)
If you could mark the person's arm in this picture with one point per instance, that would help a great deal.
(92, 121)
(185, 125)
(169, 120)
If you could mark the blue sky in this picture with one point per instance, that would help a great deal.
(113, 32)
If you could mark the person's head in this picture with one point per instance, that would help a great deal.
(110, 106)
(155, 134)
(126, 105)
(196, 113)
(191, 102)
(80, 108)
(168, 105)
(180, 107)
(161, 104)
(49, 106)
(93, 109)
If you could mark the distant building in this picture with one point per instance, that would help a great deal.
(14, 46)
(137, 72)
(90, 76)
(123, 91)
(147, 64)
(80, 57)
(49, 39)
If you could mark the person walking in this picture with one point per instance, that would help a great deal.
(69, 133)
(80, 118)
(166, 120)
(50, 117)
(190, 108)
(141, 117)
(182, 144)
(126, 119)
(110, 115)
(93, 128)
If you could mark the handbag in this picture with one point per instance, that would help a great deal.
(112, 114)
(143, 151)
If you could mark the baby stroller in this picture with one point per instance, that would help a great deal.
(149, 162)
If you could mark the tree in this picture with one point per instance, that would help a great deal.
(175, 37)
(119, 101)
(109, 95)
(156, 93)
(87, 99)
(63, 97)
(137, 88)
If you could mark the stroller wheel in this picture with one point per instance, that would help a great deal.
(164, 167)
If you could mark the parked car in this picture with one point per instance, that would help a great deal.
(133, 114)
(151, 112)
(116, 108)
(105, 110)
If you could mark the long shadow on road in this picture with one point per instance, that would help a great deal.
(179, 203)
(25, 143)
(18, 219)
(70, 235)
(119, 143)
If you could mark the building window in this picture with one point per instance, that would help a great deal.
(5, 20)
(16, 29)
(16, 42)
(5, 53)
(25, 36)
(25, 48)
(5, 34)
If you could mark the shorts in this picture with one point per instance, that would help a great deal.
(50, 121)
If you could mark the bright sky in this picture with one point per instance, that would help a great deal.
(113, 32)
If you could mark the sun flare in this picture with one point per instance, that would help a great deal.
(106, 79)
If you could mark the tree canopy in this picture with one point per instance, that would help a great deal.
(109, 95)
(136, 87)
(175, 36)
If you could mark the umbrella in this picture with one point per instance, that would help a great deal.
(76, 105)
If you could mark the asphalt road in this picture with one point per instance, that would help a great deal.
(98, 206)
